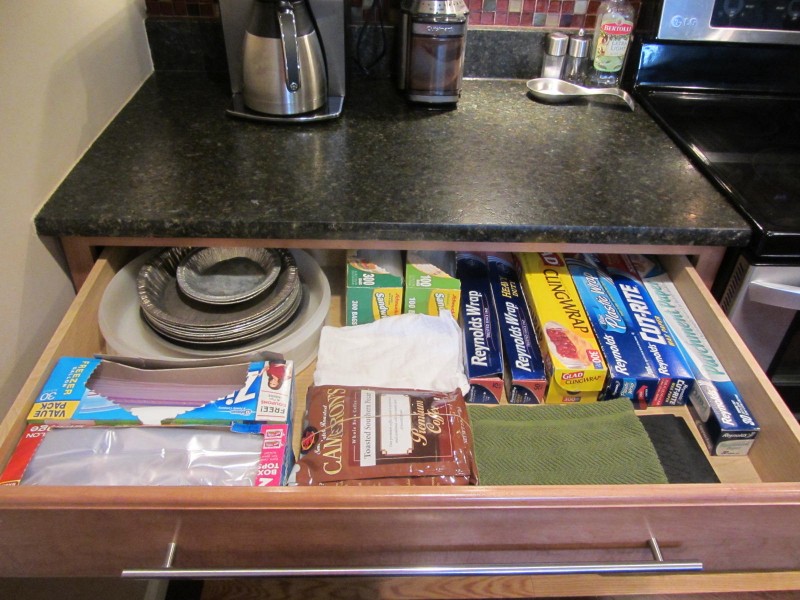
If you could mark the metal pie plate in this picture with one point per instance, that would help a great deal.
(227, 275)
(185, 320)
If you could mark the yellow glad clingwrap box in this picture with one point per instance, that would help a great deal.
(572, 357)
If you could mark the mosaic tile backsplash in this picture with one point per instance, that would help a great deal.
(551, 14)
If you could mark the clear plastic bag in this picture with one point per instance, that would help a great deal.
(144, 456)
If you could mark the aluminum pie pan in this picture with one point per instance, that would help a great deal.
(231, 341)
(270, 321)
(127, 334)
(258, 321)
(228, 275)
(236, 335)
(162, 301)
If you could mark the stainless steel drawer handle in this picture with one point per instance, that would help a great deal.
(658, 565)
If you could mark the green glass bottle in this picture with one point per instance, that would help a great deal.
(612, 35)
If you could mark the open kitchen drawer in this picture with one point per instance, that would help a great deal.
(750, 522)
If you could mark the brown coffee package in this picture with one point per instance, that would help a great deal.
(372, 436)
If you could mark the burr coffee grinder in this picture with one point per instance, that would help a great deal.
(431, 50)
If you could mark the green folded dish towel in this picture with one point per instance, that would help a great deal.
(595, 443)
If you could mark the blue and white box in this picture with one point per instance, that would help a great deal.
(105, 391)
(657, 341)
(722, 416)
(482, 343)
(630, 374)
(526, 380)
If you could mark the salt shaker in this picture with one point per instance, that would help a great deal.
(554, 54)
(577, 61)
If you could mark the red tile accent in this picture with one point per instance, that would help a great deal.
(578, 21)
(531, 9)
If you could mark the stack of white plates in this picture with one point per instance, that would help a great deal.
(219, 296)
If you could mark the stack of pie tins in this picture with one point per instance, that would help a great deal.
(212, 297)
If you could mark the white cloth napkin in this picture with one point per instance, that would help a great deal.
(405, 351)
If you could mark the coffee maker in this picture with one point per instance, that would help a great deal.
(431, 50)
(286, 58)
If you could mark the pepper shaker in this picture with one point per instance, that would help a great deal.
(554, 54)
(577, 61)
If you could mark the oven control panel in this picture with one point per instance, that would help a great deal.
(736, 21)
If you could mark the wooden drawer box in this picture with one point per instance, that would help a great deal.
(749, 522)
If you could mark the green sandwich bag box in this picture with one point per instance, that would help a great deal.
(431, 285)
(374, 285)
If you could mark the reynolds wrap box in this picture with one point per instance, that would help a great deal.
(719, 410)
(482, 341)
(526, 380)
(105, 392)
(630, 374)
(658, 342)
(374, 285)
(572, 356)
(431, 284)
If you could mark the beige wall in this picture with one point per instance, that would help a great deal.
(66, 68)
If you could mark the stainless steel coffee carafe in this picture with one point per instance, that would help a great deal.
(283, 67)
(286, 59)
(432, 44)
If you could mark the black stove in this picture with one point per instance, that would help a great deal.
(750, 146)
(722, 77)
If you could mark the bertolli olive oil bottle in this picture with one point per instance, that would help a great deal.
(612, 35)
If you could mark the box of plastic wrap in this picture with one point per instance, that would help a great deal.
(630, 374)
(658, 342)
(722, 415)
(572, 356)
(103, 391)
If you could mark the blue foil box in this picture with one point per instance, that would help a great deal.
(482, 343)
(526, 381)
(722, 416)
(630, 374)
(658, 342)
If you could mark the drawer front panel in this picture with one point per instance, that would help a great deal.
(724, 536)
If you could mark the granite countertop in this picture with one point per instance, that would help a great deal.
(499, 168)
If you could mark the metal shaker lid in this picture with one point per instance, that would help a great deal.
(557, 44)
(579, 45)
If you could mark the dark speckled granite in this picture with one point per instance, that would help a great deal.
(499, 168)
